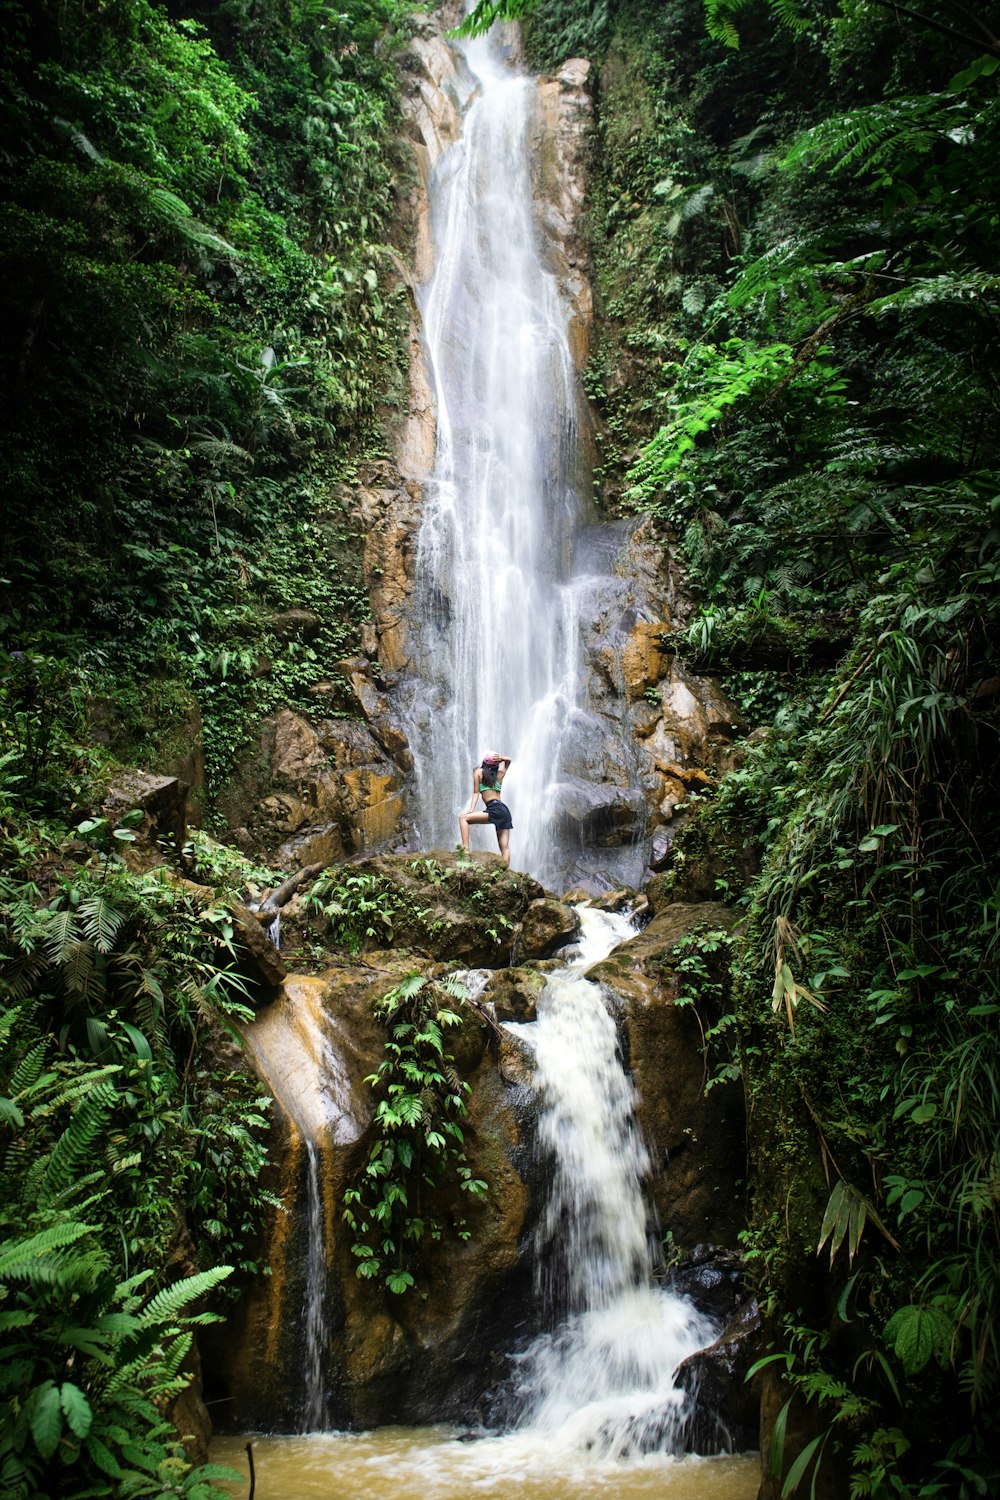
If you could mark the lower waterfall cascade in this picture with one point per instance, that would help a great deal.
(591, 1405)
(602, 1377)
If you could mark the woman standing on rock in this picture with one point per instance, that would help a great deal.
(487, 780)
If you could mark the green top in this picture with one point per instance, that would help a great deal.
(489, 786)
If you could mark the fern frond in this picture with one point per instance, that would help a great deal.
(10, 1021)
(79, 969)
(21, 1260)
(73, 1149)
(60, 935)
(869, 138)
(719, 23)
(101, 921)
(23, 974)
(170, 1303)
(74, 1088)
(28, 1071)
(976, 289)
(174, 212)
(698, 201)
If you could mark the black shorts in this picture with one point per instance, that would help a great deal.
(499, 814)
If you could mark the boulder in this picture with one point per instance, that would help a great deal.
(465, 909)
(546, 926)
(259, 963)
(726, 1407)
(161, 799)
(296, 625)
(513, 993)
(618, 900)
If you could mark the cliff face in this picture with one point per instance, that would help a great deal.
(444, 1356)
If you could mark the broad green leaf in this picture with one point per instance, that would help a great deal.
(45, 1418)
(76, 1408)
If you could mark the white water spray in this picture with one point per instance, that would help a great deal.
(496, 639)
(603, 1378)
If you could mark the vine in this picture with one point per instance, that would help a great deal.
(418, 1150)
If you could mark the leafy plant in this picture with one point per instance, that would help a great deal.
(418, 1151)
(90, 1358)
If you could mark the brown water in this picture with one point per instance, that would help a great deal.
(431, 1463)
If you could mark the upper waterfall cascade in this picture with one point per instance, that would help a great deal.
(498, 592)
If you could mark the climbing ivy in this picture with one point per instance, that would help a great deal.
(418, 1152)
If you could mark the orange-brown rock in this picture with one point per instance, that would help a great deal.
(643, 659)
(317, 791)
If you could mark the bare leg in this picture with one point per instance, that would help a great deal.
(503, 839)
(464, 819)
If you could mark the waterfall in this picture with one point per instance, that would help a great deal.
(496, 636)
(602, 1377)
(297, 1049)
(314, 1403)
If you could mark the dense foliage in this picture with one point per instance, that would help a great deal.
(202, 329)
(202, 324)
(418, 1148)
(795, 233)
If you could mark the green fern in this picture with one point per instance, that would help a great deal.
(101, 921)
(169, 1303)
(60, 935)
(75, 1146)
(866, 140)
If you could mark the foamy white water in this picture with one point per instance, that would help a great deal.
(603, 1377)
(496, 633)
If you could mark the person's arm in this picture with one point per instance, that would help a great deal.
(477, 777)
(505, 761)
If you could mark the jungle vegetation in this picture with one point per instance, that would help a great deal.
(200, 335)
(794, 226)
(795, 230)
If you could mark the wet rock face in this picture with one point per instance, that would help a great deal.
(546, 926)
(317, 792)
(561, 149)
(649, 733)
(726, 1407)
(387, 1359)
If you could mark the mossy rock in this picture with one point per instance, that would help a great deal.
(462, 910)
